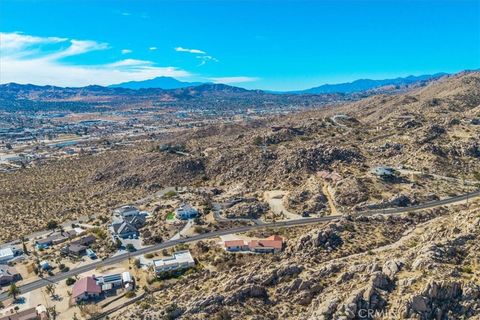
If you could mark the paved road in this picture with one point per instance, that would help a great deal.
(289, 223)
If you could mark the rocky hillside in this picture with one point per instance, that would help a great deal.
(419, 266)
(430, 135)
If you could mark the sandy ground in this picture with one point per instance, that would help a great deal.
(185, 231)
(331, 203)
(274, 199)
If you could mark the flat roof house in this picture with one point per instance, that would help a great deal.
(8, 275)
(109, 282)
(179, 260)
(6, 255)
(35, 313)
(126, 211)
(185, 212)
(86, 289)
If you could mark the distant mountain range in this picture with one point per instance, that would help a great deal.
(368, 84)
(348, 87)
(159, 82)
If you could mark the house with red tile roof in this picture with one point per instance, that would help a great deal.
(236, 245)
(272, 244)
(86, 289)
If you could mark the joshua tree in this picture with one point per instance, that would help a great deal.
(52, 311)
(13, 291)
(50, 289)
(24, 246)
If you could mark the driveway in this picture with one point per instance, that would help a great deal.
(274, 199)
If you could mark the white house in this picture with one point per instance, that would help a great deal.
(127, 280)
(126, 211)
(7, 254)
(185, 212)
(179, 260)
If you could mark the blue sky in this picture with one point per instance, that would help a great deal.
(279, 45)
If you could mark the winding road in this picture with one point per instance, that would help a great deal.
(288, 223)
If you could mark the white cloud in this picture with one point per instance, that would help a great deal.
(196, 51)
(206, 58)
(126, 51)
(152, 48)
(77, 47)
(23, 60)
(202, 55)
(16, 40)
(228, 80)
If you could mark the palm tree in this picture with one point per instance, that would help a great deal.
(13, 291)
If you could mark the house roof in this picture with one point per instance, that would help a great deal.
(85, 241)
(264, 243)
(85, 285)
(275, 238)
(6, 253)
(124, 227)
(76, 248)
(27, 314)
(7, 271)
(179, 257)
(234, 243)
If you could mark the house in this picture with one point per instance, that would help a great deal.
(128, 281)
(55, 238)
(127, 227)
(74, 249)
(6, 255)
(85, 241)
(272, 244)
(109, 282)
(78, 247)
(126, 211)
(383, 171)
(44, 265)
(185, 212)
(115, 281)
(35, 313)
(8, 275)
(180, 260)
(86, 289)
(91, 254)
(123, 229)
(236, 245)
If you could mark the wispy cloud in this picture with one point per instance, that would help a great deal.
(196, 51)
(126, 51)
(201, 55)
(152, 48)
(206, 58)
(25, 59)
(228, 80)
(16, 40)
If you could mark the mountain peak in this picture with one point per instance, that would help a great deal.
(158, 82)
